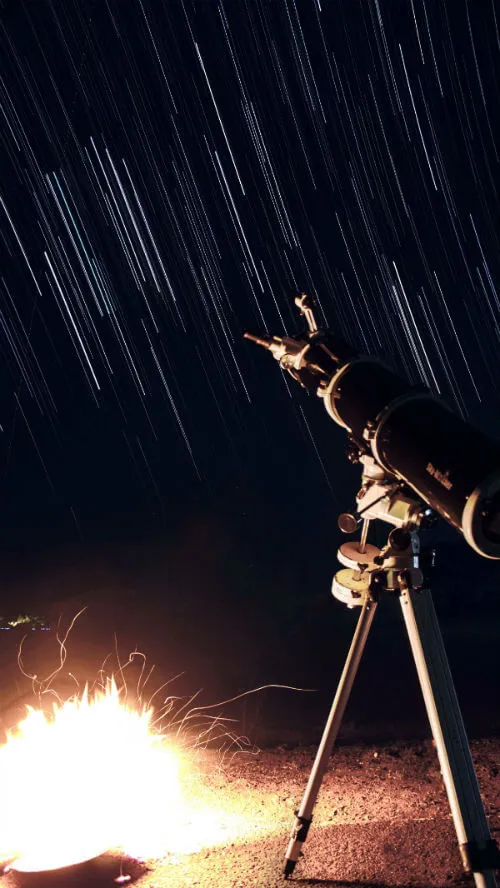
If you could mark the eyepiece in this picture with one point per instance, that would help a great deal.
(263, 340)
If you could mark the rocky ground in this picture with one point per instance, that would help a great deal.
(382, 819)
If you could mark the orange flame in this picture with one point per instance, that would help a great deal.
(93, 775)
(90, 776)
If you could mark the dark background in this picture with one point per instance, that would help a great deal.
(171, 175)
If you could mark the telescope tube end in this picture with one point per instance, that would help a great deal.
(481, 517)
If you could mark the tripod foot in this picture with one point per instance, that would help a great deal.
(289, 867)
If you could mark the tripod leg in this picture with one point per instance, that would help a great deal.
(479, 852)
(304, 814)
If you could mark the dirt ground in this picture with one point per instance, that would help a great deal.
(381, 819)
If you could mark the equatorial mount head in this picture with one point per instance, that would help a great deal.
(368, 570)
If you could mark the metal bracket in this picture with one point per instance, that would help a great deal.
(476, 859)
(301, 827)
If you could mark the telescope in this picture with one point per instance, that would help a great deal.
(403, 434)
(419, 460)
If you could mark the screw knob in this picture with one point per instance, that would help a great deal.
(347, 522)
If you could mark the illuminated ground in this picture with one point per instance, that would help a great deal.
(381, 820)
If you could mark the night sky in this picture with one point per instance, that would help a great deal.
(174, 173)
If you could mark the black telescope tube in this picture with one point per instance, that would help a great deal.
(414, 435)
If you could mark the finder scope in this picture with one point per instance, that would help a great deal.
(412, 434)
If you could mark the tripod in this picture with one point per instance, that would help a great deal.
(369, 574)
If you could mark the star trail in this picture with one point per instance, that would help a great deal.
(172, 174)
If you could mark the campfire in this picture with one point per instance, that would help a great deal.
(88, 776)
(96, 772)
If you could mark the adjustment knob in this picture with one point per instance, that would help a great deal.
(399, 539)
(347, 522)
(427, 518)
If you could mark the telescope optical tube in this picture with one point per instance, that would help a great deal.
(411, 433)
